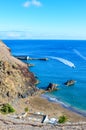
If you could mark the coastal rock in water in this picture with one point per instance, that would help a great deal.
(70, 82)
(29, 58)
(15, 78)
(45, 59)
(52, 87)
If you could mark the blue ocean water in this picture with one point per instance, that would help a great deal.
(62, 54)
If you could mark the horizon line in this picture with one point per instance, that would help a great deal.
(49, 39)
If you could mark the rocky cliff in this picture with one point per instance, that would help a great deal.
(15, 78)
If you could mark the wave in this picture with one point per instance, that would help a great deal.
(64, 105)
(79, 54)
(66, 62)
(54, 99)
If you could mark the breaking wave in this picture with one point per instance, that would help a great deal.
(65, 105)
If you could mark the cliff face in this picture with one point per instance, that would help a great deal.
(15, 79)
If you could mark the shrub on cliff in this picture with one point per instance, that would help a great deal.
(62, 119)
(26, 109)
(6, 109)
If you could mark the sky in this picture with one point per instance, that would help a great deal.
(43, 19)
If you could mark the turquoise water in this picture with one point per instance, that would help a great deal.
(58, 69)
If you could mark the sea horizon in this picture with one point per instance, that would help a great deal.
(44, 39)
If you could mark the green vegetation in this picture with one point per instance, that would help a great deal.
(6, 109)
(62, 119)
(26, 109)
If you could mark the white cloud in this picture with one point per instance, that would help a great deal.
(36, 3)
(32, 3)
(15, 34)
(39, 35)
(27, 4)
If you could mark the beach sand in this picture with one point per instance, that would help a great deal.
(38, 104)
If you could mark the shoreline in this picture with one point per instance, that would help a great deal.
(52, 109)
(68, 107)
(38, 104)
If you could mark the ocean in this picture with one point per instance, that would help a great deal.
(67, 60)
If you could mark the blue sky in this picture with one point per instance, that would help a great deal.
(42, 19)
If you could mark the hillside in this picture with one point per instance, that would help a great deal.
(15, 79)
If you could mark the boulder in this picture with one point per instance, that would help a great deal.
(52, 87)
(70, 82)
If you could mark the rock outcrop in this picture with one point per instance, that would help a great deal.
(52, 87)
(22, 57)
(70, 82)
(15, 78)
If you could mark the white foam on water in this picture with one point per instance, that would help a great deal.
(65, 105)
(54, 99)
(79, 54)
(66, 62)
